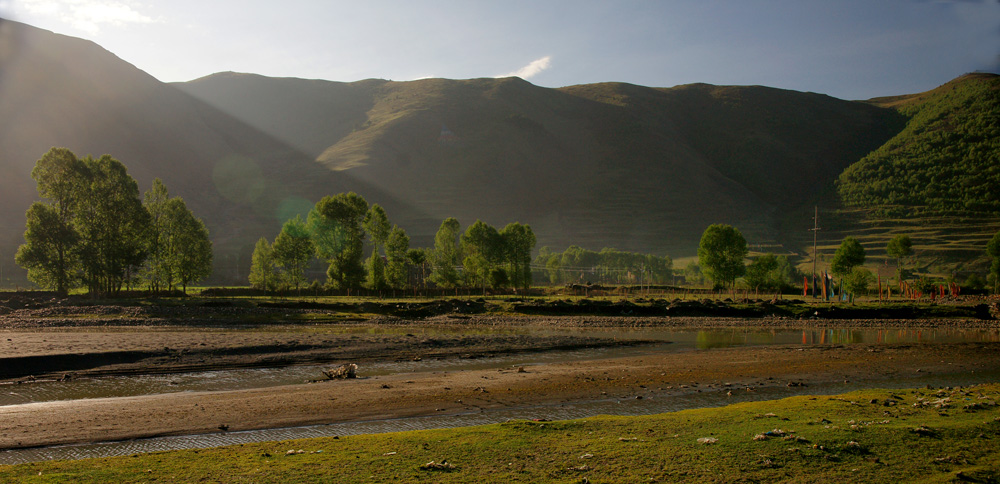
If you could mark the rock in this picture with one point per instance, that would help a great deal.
(435, 466)
(349, 370)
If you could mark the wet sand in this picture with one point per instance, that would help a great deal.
(737, 369)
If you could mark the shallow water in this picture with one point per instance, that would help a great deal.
(239, 379)
(704, 340)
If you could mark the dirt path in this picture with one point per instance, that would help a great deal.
(439, 393)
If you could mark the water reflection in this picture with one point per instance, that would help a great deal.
(706, 340)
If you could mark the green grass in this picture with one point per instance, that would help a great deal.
(849, 438)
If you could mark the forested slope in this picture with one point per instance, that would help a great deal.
(945, 160)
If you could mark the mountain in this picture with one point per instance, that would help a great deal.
(944, 160)
(62, 91)
(599, 165)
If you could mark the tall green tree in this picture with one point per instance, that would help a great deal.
(849, 255)
(178, 248)
(447, 254)
(190, 255)
(397, 246)
(517, 242)
(375, 273)
(376, 226)
(993, 250)
(335, 225)
(112, 224)
(157, 271)
(50, 252)
(899, 247)
(293, 249)
(47, 253)
(263, 275)
(483, 248)
(721, 253)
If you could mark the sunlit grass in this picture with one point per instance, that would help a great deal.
(866, 436)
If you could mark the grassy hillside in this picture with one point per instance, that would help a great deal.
(943, 161)
(936, 181)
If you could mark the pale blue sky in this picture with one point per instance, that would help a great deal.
(853, 49)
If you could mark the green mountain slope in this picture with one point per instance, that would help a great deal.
(944, 160)
(937, 181)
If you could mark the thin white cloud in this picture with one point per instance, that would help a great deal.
(88, 15)
(531, 70)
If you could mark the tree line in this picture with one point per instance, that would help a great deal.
(577, 265)
(93, 230)
(341, 229)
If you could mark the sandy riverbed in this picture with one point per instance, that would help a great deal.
(658, 374)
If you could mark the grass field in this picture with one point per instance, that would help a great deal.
(920, 435)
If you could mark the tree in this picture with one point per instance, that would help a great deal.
(335, 225)
(692, 273)
(187, 250)
(721, 253)
(858, 280)
(262, 270)
(47, 251)
(293, 249)
(518, 240)
(993, 250)
(786, 275)
(446, 255)
(552, 267)
(51, 240)
(157, 272)
(376, 226)
(849, 255)
(899, 247)
(112, 223)
(397, 246)
(375, 272)
(761, 271)
(482, 246)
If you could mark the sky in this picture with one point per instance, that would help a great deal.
(850, 49)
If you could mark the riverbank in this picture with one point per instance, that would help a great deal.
(655, 375)
(937, 435)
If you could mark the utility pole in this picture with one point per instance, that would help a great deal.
(815, 230)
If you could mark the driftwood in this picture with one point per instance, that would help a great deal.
(349, 370)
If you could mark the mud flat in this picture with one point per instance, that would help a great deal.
(656, 375)
(61, 341)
